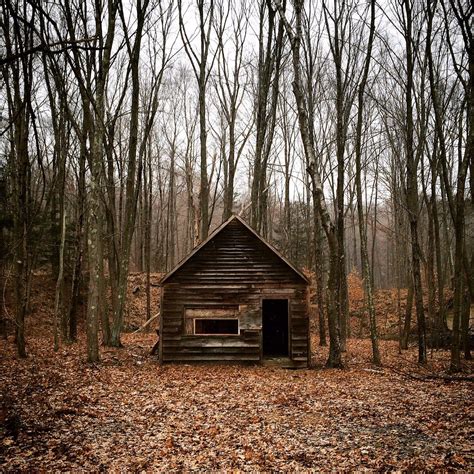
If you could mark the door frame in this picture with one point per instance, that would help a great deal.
(281, 297)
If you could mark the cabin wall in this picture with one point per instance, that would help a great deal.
(180, 346)
(235, 270)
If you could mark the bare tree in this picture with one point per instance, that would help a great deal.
(270, 50)
(412, 162)
(295, 37)
(18, 78)
(462, 269)
(344, 42)
(93, 92)
(230, 88)
(364, 256)
(202, 63)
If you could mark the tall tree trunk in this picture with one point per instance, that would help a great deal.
(94, 252)
(407, 320)
(318, 273)
(457, 202)
(58, 299)
(412, 189)
(364, 255)
(201, 71)
(103, 300)
(440, 321)
(204, 182)
(148, 190)
(133, 180)
(269, 64)
(335, 357)
(71, 331)
(465, 318)
(18, 79)
(430, 275)
(343, 104)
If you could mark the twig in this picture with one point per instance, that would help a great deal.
(426, 378)
(147, 323)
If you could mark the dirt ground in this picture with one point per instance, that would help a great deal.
(130, 414)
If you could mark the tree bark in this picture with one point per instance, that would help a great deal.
(412, 188)
(134, 175)
(364, 255)
(335, 357)
(318, 273)
(201, 71)
(18, 78)
(269, 65)
(407, 320)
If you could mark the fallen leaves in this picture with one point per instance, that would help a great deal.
(61, 414)
(130, 414)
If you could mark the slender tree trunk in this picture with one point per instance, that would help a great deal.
(465, 317)
(457, 202)
(148, 189)
(18, 79)
(94, 253)
(430, 275)
(133, 180)
(204, 182)
(373, 221)
(335, 349)
(459, 275)
(364, 255)
(335, 357)
(398, 257)
(412, 191)
(407, 323)
(342, 107)
(229, 174)
(103, 300)
(58, 299)
(201, 71)
(172, 226)
(318, 274)
(440, 321)
(269, 64)
(21, 232)
(71, 334)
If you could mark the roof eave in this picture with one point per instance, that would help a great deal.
(216, 232)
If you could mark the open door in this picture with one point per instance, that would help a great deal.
(275, 328)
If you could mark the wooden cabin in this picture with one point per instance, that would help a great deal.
(235, 298)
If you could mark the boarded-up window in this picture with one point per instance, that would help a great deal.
(214, 320)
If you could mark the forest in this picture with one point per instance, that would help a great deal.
(342, 132)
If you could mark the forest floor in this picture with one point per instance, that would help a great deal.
(130, 414)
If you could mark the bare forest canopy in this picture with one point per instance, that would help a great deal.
(343, 132)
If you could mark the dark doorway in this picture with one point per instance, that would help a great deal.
(275, 327)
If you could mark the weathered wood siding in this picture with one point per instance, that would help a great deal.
(233, 269)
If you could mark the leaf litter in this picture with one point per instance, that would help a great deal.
(129, 413)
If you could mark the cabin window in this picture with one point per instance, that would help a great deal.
(222, 320)
(221, 327)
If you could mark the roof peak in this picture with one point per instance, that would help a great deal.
(216, 231)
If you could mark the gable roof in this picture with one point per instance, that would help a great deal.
(217, 231)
